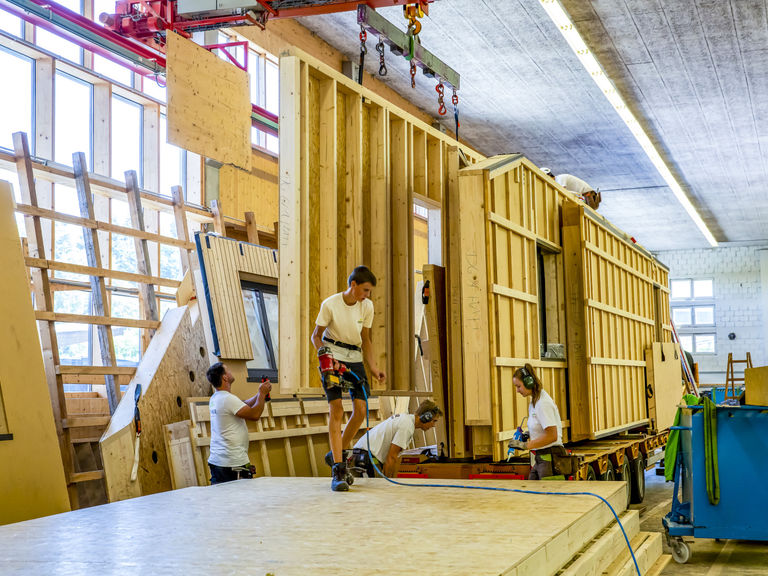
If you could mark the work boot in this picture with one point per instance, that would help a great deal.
(344, 457)
(339, 478)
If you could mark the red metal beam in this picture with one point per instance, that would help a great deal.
(343, 6)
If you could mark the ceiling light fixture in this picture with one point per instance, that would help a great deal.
(567, 28)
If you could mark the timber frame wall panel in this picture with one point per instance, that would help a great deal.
(209, 104)
(507, 210)
(225, 263)
(618, 305)
(346, 198)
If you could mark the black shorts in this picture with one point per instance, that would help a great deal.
(358, 391)
(220, 474)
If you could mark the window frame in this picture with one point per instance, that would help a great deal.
(694, 330)
(254, 374)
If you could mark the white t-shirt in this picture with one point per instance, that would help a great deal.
(544, 415)
(397, 429)
(345, 323)
(574, 184)
(229, 433)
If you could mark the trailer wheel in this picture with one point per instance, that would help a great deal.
(591, 476)
(610, 473)
(638, 480)
(626, 477)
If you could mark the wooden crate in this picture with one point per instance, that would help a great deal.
(351, 165)
(617, 305)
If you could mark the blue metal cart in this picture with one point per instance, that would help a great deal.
(742, 448)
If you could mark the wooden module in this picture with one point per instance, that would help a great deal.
(282, 526)
(351, 164)
(209, 104)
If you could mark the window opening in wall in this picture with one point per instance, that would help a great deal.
(261, 313)
(126, 134)
(58, 45)
(693, 313)
(73, 119)
(5, 434)
(551, 332)
(112, 70)
(11, 24)
(172, 165)
(16, 71)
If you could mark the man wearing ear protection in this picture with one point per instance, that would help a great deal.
(390, 437)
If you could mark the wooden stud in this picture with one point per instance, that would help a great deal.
(182, 227)
(251, 228)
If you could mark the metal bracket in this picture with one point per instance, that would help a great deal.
(397, 41)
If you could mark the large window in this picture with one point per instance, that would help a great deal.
(171, 161)
(261, 314)
(17, 75)
(10, 23)
(58, 45)
(126, 138)
(73, 119)
(693, 313)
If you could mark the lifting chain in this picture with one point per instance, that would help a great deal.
(413, 74)
(440, 89)
(363, 52)
(380, 50)
(455, 102)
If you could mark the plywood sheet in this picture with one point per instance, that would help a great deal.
(285, 530)
(256, 191)
(756, 386)
(664, 377)
(209, 103)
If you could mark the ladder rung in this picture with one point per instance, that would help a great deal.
(76, 477)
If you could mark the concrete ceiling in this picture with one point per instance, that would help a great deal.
(695, 73)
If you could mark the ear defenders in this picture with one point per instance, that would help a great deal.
(427, 416)
(528, 380)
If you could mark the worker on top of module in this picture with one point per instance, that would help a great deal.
(584, 191)
(342, 337)
(545, 429)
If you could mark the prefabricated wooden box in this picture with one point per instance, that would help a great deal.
(569, 295)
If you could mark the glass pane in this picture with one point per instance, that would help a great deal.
(273, 144)
(120, 212)
(270, 303)
(112, 70)
(127, 345)
(686, 341)
(170, 262)
(705, 343)
(254, 69)
(11, 24)
(15, 71)
(72, 119)
(126, 138)
(681, 316)
(124, 306)
(123, 255)
(69, 247)
(702, 288)
(272, 85)
(100, 6)
(704, 315)
(74, 343)
(258, 345)
(72, 302)
(681, 288)
(258, 137)
(58, 45)
(153, 88)
(170, 162)
(65, 200)
(165, 305)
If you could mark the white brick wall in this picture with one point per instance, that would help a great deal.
(740, 301)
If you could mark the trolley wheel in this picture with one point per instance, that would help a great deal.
(638, 480)
(591, 476)
(626, 476)
(681, 551)
(610, 473)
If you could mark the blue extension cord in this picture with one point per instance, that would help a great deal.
(492, 488)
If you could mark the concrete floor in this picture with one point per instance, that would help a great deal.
(708, 557)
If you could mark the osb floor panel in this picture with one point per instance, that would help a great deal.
(291, 526)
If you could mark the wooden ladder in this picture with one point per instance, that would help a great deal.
(731, 379)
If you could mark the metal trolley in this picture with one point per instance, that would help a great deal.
(742, 447)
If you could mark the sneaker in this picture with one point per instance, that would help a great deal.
(339, 478)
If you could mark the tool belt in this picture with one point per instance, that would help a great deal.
(563, 462)
(342, 344)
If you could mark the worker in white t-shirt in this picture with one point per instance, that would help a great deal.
(343, 331)
(583, 190)
(544, 425)
(228, 459)
(387, 439)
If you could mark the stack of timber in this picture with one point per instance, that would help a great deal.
(172, 369)
(284, 511)
(525, 255)
(351, 166)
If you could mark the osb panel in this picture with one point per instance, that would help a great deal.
(172, 369)
(223, 263)
(209, 104)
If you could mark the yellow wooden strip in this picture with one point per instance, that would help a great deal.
(102, 272)
(516, 294)
(618, 312)
(96, 320)
(105, 370)
(603, 254)
(509, 225)
(615, 362)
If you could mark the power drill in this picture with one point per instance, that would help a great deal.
(518, 435)
(340, 376)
